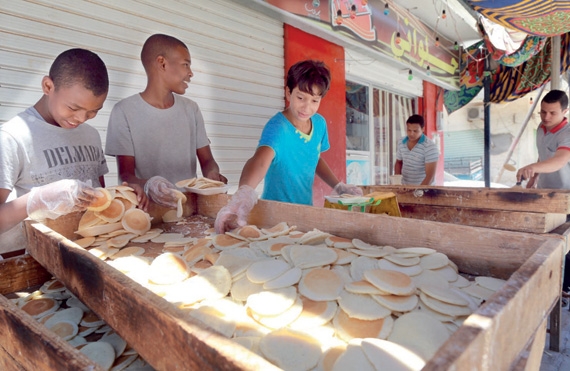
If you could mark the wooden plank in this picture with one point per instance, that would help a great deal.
(137, 314)
(507, 199)
(486, 218)
(494, 336)
(20, 273)
(531, 357)
(477, 251)
(7, 363)
(34, 347)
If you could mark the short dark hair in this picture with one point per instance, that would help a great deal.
(559, 96)
(80, 66)
(158, 44)
(307, 75)
(416, 119)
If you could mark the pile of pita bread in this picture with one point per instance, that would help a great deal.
(63, 313)
(310, 300)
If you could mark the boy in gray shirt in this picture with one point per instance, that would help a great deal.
(157, 135)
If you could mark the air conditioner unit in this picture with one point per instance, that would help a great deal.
(475, 113)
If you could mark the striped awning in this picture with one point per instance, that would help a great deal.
(536, 17)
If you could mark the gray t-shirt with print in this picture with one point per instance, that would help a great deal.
(163, 141)
(34, 153)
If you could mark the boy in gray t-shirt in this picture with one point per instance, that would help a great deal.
(158, 135)
(47, 156)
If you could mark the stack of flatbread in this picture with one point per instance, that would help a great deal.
(58, 310)
(199, 183)
(334, 301)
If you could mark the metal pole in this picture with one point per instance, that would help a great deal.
(521, 131)
(555, 72)
(487, 120)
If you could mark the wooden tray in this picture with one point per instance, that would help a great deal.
(506, 332)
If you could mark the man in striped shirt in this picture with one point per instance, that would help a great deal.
(417, 155)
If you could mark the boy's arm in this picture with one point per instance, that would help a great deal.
(325, 173)
(126, 168)
(208, 164)
(398, 167)
(13, 212)
(430, 173)
(256, 167)
(235, 213)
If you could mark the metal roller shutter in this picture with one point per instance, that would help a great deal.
(237, 59)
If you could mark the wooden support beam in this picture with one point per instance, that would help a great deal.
(506, 199)
(486, 218)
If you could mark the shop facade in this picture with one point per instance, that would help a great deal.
(385, 67)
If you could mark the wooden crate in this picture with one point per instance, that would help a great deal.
(500, 335)
(514, 209)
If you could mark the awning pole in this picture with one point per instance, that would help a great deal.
(487, 120)
(555, 71)
(520, 132)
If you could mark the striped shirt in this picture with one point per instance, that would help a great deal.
(548, 142)
(414, 161)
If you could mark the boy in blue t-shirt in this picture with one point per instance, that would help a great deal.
(289, 152)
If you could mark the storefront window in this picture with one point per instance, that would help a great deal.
(371, 154)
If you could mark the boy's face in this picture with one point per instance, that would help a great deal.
(69, 106)
(303, 105)
(414, 132)
(177, 72)
(551, 114)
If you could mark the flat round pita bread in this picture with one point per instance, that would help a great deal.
(100, 352)
(289, 278)
(397, 303)
(444, 294)
(321, 285)
(349, 328)
(102, 202)
(63, 328)
(391, 356)
(393, 282)
(290, 349)
(311, 256)
(168, 268)
(412, 270)
(265, 270)
(272, 302)
(491, 283)
(362, 307)
(353, 358)
(445, 308)
(434, 261)
(136, 221)
(211, 283)
(112, 213)
(315, 313)
(38, 308)
(282, 319)
(243, 288)
(364, 287)
(419, 333)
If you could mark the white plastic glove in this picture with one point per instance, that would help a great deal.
(235, 213)
(350, 189)
(60, 198)
(161, 191)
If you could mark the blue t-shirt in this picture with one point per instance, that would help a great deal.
(291, 174)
